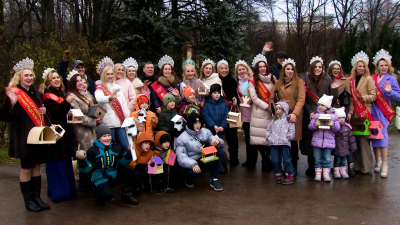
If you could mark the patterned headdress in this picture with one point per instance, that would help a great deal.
(361, 56)
(106, 61)
(222, 61)
(259, 58)
(288, 60)
(335, 62)
(316, 58)
(26, 63)
(71, 74)
(240, 62)
(46, 71)
(130, 62)
(166, 59)
(208, 61)
(188, 61)
(382, 54)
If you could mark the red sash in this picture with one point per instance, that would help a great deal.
(53, 97)
(29, 106)
(359, 106)
(311, 94)
(115, 105)
(263, 91)
(382, 103)
(159, 89)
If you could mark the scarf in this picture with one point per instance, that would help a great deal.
(243, 79)
(167, 81)
(337, 77)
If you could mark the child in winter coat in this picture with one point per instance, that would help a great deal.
(323, 140)
(142, 102)
(279, 135)
(189, 101)
(345, 144)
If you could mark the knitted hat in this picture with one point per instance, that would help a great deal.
(340, 112)
(214, 88)
(193, 118)
(102, 130)
(142, 99)
(326, 100)
(188, 91)
(168, 98)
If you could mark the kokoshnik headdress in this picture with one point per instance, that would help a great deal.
(208, 61)
(71, 74)
(26, 63)
(290, 61)
(166, 59)
(335, 62)
(188, 61)
(130, 62)
(240, 62)
(316, 58)
(106, 61)
(259, 58)
(46, 71)
(382, 54)
(361, 56)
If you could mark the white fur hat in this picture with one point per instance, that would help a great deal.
(326, 100)
(340, 112)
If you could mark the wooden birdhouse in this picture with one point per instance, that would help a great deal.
(58, 131)
(170, 158)
(245, 102)
(191, 108)
(178, 122)
(142, 115)
(203, 89)
(375, 129)
(155, 165)
(75, 116)
(96, 112)
(324, 118)
(209, 154)
(234, 119)
(41, 135)
(360, 126)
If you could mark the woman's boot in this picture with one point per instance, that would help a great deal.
(36, 186)
(26, 193)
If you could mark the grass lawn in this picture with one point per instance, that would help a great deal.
(5, 160)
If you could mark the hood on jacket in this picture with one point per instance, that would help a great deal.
(284, 106)
(158, 136)
(141, 96)
(144, 136)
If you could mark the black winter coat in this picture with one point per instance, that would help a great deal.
(345, 141)
(229, 86)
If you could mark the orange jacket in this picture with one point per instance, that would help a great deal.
(142, 156)
(149, 124)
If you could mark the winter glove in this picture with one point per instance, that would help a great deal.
(330, 123)
(67, 55)
(318, 123)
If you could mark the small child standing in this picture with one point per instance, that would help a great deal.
(167, 113)
(142, 102)
(345, 144)
(323, 140)
(279, 135)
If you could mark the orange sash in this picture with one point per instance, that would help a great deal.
(382, 103)
(159, 90)
(29, 106)
(53, 97)
(359, 106)
(115, 105)
(264, 92)
(311, 94)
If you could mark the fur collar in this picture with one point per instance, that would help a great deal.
(167, 81)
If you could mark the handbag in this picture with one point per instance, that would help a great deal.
(234, 118)
(375, 128)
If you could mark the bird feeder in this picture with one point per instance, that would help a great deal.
(170, 158)
(234, 119)
(360, 126)
(324, 118)
(41, 135)
(58, 131)
(245, 102)
(375, 129)
(192, 108)
(209, 154)
(203, 89)
(142, 115)
(75, 116)
(96, 112)
(155, 165)
(178, 122)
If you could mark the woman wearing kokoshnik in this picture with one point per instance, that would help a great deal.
(208, 75)
(59, 171)
(317, 84)
(363, 91)
(23, 116)
(131, 68)
(387, 88)
(190, 79)
(167, 82)
(126, 86)
(110, 97)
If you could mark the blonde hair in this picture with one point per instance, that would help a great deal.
(202, 70)
(116, 67)
(184, 69)
(103, 78)
(17, 77)
(126, 72)
(249, 71)
(354, 70)
(47, 80)
(391, 69)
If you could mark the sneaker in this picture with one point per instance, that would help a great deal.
(216, 185)
(278, 177)
(289, 179)
(189, 182)
(352, 173)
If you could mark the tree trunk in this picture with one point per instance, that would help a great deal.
(96, 17)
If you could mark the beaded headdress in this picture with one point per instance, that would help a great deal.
(316, 58)
(382, 54)
(130, 62)
(24, 64)
(288, 60)
(335, 62)
(208, 61)
(188, 61)
(166, 59)
(222, 61)
(240, 62)
(46, 71)
(106, 61)
(259, 58)
(361, 56)
(71, 74)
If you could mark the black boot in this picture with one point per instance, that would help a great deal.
(311, 170)
(26, 193)
(266, 163)
(36, 185)
(127, 196)
(352, 173)
(99, 201)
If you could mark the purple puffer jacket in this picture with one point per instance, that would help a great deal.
(324, 138)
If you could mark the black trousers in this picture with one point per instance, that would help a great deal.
(294, 152)
(232, 140)
(265, 159)
(169, 178)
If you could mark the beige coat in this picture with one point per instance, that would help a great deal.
(260, 115)
(296, 105)
(344, 85)
(367, 88)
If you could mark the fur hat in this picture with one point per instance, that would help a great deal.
(168, 98)
(340, 112)
(188, 91)
(193, 118)
(326, 100)
(214, 88)
(102, 130)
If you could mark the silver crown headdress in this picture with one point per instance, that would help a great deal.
(316, 58)
(222, 61)
(208, 61)
(46, 71)
(361, 56)
(240, 62)
(335, 62)
(106, 61)
(166, 59)
(71, 74)
(259, 58)
(130, 62)
(288, 60)
(382, 54)
(188, 61)
(23, 64)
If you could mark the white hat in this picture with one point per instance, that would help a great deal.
(326, 100)
(340, 112)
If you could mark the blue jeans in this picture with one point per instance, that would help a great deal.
(215, 167)
(279, 152)
(119, 137)
(322, 157)
(339, 161)
(349, 158)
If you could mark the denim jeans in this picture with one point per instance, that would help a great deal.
(349, 158)
(279, 152)
(215, 167)
(339, 161)
(119, 137)
(322, 157)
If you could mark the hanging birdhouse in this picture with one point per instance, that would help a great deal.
(130, 128)
(326, 118)
(178, 122)
(96, 112)
(234, 119)
(41, 135)
(245, 102)
(360, 126)
(142, 115)
(191, 108)
(170, 158)
(209, 154)
(203, 89)
(58, 131)
(75, 116)
(375, 128)
(155, 165)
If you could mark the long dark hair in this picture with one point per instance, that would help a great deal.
(317, 83)
(295, 81)
(256, 76)
(72, 87)
(172, 73)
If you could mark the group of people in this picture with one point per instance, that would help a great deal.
(280, 115)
